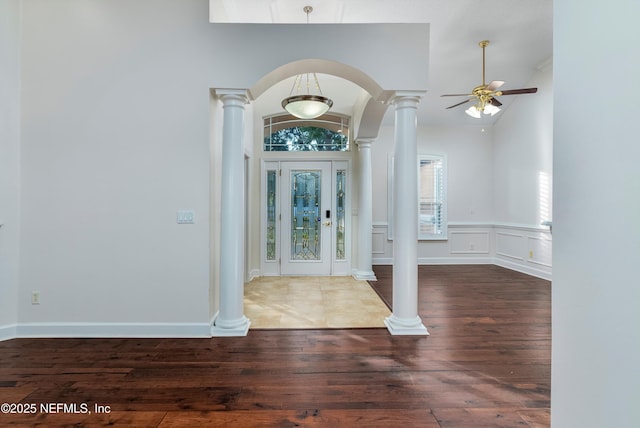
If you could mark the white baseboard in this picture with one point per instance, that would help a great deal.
(455, 261)
(364, 275)
(138, 330)
(518, 267)
(253, 274)
(8, 332)
(442, 261)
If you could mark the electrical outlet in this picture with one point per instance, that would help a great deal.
(35, 297)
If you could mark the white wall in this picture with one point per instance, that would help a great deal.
(115, 140)
(522, 179)
(469, 162)
(9, 164)
(523, 156)
(595, 381)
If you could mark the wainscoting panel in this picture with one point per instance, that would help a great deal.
(378, 240)
(539, 250)
(381, 246)
(469, 242)
(510, 245)
(523, 248)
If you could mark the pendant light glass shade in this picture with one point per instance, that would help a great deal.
(491, 109)
(473, 112)
(307, 106)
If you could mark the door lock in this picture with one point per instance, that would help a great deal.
(327, 223)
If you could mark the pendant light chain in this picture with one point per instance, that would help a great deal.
(317, 83)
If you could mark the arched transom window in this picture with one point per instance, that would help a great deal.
(286, 133)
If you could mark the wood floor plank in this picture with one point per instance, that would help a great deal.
(117, 419)
(487, 363)
(482, 418)
(382, 418)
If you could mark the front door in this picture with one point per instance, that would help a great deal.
(306, 218)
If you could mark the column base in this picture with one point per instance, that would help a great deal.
(405, 327)
(363, 275)
(230, 328)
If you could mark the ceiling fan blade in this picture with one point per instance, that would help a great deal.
(494, 85)
(495, 102)
(459, 104)
(519, 91)
(457, 95)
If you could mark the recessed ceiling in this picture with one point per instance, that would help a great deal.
(520, 33)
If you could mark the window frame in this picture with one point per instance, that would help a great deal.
(444, 234)
(335, 122)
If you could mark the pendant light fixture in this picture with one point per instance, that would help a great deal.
(301, 102)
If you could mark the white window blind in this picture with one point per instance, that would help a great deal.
(432, 197)
(432, 222)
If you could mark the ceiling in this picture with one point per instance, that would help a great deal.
(520, 32)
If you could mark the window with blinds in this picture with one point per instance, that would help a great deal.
(432, 197)
(432, 223)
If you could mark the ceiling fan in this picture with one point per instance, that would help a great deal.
(485, 95)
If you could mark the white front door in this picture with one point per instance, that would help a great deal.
(306, 218)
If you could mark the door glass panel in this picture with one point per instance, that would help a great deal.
(271, 215)
(305, 215)
(340, 219)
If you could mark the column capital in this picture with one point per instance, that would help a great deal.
(406, 98)
(232, 96)
(364, 143)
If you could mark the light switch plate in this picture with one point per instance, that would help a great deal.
(185, 217)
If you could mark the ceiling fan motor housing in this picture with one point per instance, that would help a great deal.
(485, 94)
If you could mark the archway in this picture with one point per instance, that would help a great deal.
(347, 64)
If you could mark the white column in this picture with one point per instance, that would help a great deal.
(230, 320)
(404, 319)
(365, 213)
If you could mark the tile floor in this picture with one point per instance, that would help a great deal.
(312, 302)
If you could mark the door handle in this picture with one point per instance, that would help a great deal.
(327, 223)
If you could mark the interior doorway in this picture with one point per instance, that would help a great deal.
(305, 226)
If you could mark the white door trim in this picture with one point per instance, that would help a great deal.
(270, 265)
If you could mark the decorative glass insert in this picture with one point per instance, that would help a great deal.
(341, 182)
(305, 214)
(271, 215)
(287, 133)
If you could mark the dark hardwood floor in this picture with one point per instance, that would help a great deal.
(487, 363)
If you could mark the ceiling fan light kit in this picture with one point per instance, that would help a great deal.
(485, 95)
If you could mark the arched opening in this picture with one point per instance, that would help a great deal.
(353, 92)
